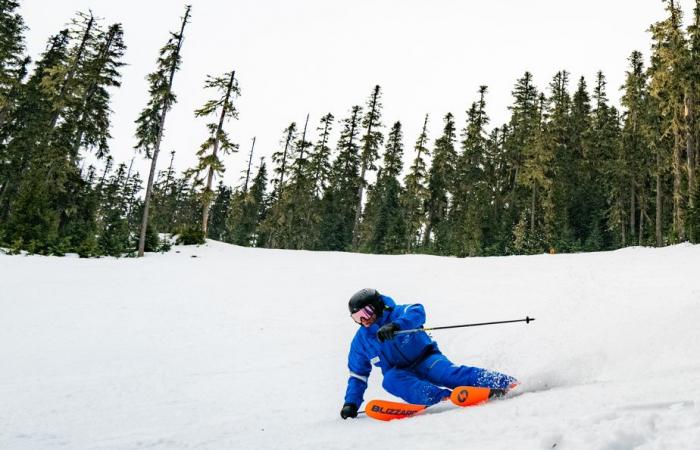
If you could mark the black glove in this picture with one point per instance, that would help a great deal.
(349, 410)
(387, 331)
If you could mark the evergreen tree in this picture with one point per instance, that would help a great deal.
(113, 224)
(319, 160)
(440, 179)
(151, 121)
(340, 199)
(64, 104)
(471, 194)
(248, 211)
(218, 139)
(559, 130)
(371, 141)
(636, 151)
(275, 220)
(580, 209)
(601, 157)
(669, 58)
(692, 105)
(383, 223)
(12, 61)
(416, 193)
(219, 211)
(523, 133)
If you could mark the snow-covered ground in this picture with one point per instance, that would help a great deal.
(222, 347)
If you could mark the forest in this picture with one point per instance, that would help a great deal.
(568, 172)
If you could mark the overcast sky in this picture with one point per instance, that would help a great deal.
(317, 56)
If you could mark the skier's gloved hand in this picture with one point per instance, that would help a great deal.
(387, 331)
(349, 410)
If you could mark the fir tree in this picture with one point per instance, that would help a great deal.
(371, 141)
(383, 222)
(219, 211)
(416, 192)
(248, 211)
(275, 220)
(340, 199)
(558, 129)
(669, 57)
(440, 179)
(319, 160)
(636, 151)
(12, 61)
(151, 121)
(218, 139)
(471, 195)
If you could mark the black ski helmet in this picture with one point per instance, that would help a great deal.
(364, 297)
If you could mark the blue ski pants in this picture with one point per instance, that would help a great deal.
(430, 381)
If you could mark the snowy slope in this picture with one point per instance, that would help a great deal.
(242, 348)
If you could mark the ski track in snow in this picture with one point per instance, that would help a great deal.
(244, 348)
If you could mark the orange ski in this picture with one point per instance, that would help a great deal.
(386, 410)
(472, 395)
(469, 395)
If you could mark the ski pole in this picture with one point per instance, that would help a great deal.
(527, 319)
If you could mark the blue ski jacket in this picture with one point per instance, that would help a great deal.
(403, 351)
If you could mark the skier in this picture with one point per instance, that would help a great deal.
(414, 368)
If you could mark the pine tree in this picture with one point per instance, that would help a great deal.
(319, 159)
(89, 123)
(281, 160)
(247, 211)
(151, 121)
(601, 157)
(27, 122)
(383, 221)
(218, 139)
(691, 103)
(468, 211)
(65, 103)
(523, 132)
(558, 229)
(340, 199)
(12, 61)
(416, 193)
(440, 179)
(275, 220)
(580, 207)
(636, 151)
(669, 58)
(113, 225)
(371, 141)
(219, 211)
(300, 200)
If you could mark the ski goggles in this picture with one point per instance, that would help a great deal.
(364, 315)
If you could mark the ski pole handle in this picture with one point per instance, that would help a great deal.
(527, 319)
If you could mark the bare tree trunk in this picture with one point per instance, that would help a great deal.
(690, 146)
(210, 176)
(678, 225)
(623, 228)
(642, 211)
(156, 147)
(633, 215)
(532, 210)
(247, 174)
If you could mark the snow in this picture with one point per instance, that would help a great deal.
(223, 347)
